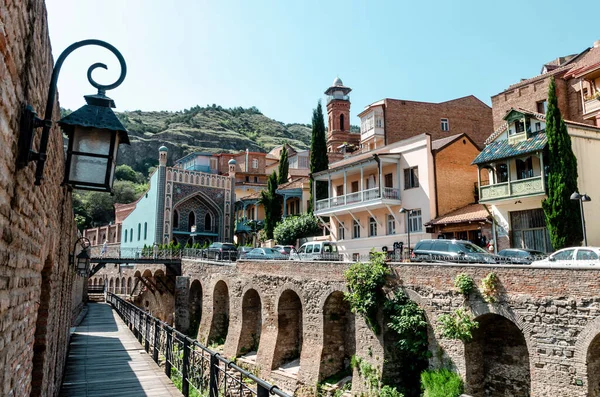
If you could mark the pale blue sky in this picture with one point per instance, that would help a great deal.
(280, 56)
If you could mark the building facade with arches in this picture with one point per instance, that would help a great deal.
(184, 205)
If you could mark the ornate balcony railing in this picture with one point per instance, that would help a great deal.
(358, 197)
(518, 188)
(194, 366)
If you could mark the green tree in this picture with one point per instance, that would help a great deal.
(271, 201)
(562, 213)
(124, 172)
(318, 154)
(284, 166)
(294, 227)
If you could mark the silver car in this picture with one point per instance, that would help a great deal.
(265, 253)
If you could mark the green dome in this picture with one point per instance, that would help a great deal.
(163, 149)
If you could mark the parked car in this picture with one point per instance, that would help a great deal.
(284, 249)
(519, 256)
(458, 251)
(573, 256)
(265, 253)
(316, 251)
(221, 251)
(243, 250)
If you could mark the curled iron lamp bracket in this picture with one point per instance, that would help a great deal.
(30, 121)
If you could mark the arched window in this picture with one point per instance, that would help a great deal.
(139, 231)
(145, 230)
(125, 235)
(191, 220)
(207, 222)
(131, 235)
(175, 219)
(342, 122)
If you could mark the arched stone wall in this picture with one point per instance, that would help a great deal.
(219, 326)
(195, 308)
(289, 329)
(339, 343)
(251, 322)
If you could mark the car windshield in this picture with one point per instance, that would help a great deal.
(472, 248)
(229, 246)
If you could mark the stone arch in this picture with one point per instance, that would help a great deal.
(129, 286)
(497, 358)
(289, 329)
(111, 285)
(200, 202)
(219, 325)
(195, 308)
(123, 286)
(191, 220)
(117, 286)
(40, 358)
(339, 341)
(251, 322)
(587, 356)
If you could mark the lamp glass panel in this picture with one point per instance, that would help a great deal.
(92, 140)
(82, 264)
(88, 169)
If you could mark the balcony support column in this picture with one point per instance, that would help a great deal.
(314, 203)
(478, 181)
(542, 172)
(345, 188)
(509, 184)
(362, 183)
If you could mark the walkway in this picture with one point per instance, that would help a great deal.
(106, 360)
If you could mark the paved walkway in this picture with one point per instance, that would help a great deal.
(106, 360)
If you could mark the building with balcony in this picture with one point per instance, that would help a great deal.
(512, 175)
(367, 190)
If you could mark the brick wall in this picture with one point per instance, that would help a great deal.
(454, 173)
(468, 115)
(38, 292)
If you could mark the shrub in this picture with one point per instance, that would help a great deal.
(364, 281)
(489, 287)
(464, 283)
(458, 325)
(441, 383)
(294, 227)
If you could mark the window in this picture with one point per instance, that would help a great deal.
(125, 235)
(131, 235)
(309, 249)
(445, 124)
(175, 219)
(342, 123)
(501, 173)
(542, 106)
(411, 177)
(524, 168)
(354, 186)
(379, 122)
(355, 230)
(139, 231)
(207, 222)
(145, 230)
(247, 179)
(519, 126)
(341, 230)
(255, 179)
(372, 227)
(191, 220)
(389, 182)
(316, 249)
(415, 223)
(255, 163)
(391, 225)
(339, 190)
(586, 255)
(538, 126)
(564, 255)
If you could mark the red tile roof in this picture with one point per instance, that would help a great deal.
(469, 213)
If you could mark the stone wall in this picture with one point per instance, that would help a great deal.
(39, 294)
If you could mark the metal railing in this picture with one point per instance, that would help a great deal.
(159, 254)
(187, 362)
(357, 197)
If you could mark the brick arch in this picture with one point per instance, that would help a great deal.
(252, 321)
(219, 324)
(339, 335)
(587, 339)
(501, 341)
(290, 325)
(195, 302)
(147, 273)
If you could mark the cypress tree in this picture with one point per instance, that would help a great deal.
(318, 154)
(284, 166)
(562, 213)
(271, 202)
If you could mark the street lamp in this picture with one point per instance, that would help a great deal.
(407, 212)
(81, 261)
(581, 198)
(94, 131)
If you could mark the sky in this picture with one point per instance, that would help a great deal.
(280, 56)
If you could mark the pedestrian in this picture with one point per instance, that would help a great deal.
(104, 248)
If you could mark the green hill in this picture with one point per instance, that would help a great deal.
(208, 129)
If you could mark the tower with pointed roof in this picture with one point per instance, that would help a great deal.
(338, 116)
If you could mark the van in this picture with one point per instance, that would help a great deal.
(316, 251)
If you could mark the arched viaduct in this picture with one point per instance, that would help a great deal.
(289, 322)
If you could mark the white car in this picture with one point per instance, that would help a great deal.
(573, 256)
(316, 251)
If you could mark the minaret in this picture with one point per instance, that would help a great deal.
(160, 207)
(338, 115)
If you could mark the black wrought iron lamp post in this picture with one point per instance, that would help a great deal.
(81, 261)
(581, 198)
(94, 131)
(407, 212)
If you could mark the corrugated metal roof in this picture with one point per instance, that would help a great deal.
(503, 150)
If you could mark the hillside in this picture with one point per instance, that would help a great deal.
(209, 129)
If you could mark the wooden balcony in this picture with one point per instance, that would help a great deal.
(512, 190)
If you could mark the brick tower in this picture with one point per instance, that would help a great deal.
(338, 115)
